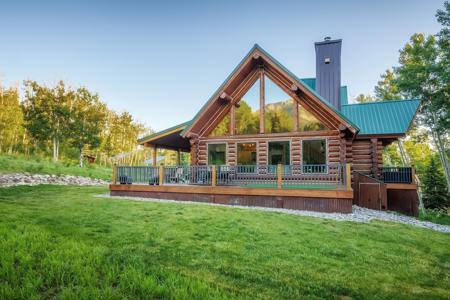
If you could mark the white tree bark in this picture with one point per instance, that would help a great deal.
(81, 158)
(55, 149)
(442, 156)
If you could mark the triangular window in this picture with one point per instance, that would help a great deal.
(279, 115)
(223, 128)
(307, 121)
(247, 112)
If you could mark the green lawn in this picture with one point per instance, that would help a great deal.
(33, 164)
(61, 242)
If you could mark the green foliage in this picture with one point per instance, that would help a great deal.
(361, 98)
(386, 88)
(17, 163)
(438, 216)
(62, 242)
(247, 121)
(88, 120)
(74, 121)
(12, 134)
(435, 194)
(391, 157)
(278, 117)
(223, 128)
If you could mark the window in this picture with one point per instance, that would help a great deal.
(314, 156)
(307, 121)
(223, 128)
(278, 110)
(247, 114)
(246, 153)
(217, 154)
(279, 153)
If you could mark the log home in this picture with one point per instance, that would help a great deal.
(269, 138)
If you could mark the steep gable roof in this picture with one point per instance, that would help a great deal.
(385, 117)
(297, 81)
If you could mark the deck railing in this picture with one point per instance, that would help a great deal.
(270, 176)
(397, 174)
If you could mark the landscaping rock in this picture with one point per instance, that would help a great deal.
(14, 179)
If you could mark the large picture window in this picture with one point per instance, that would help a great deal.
(279, 153)
(246, 153)
(314, 156)
(217, 154)
(247, 114)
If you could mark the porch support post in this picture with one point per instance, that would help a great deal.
(161, 175)
(262, 101)
(178, 157)
(348, 177)
(154, 155)
(375, 170)
(213, 175)
(114, 174)
(279, 175)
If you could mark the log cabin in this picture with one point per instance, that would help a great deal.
(269, 138)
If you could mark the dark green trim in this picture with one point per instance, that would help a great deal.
(153, 135)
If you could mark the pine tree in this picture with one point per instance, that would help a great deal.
(435, 194)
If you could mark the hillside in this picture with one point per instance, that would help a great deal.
(38, 165)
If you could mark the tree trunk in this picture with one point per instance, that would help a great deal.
(55, 149)
(443, 157)
(403, 155)
(81, 157)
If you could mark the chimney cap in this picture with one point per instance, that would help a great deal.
(328, 40)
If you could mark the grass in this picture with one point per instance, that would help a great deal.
(33, 164)
(439, 217)
(62, 242)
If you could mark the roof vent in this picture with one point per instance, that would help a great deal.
(327, 38)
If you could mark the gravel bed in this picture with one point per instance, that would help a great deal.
(359, 214)
(14, 179)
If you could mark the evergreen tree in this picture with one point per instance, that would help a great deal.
(435, 194)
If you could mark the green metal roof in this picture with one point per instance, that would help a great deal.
(162, 132)
(385, 117)
(311, 82)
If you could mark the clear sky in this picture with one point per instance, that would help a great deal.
(162, 60)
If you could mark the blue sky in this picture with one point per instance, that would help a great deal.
(162, 60)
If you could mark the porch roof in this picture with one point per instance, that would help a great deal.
(169, 138)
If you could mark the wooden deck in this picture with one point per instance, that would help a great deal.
(323, 200)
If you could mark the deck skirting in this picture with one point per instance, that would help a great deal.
(313, 200)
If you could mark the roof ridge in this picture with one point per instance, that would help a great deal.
(382, 102)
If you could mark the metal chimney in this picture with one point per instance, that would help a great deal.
(328, 70)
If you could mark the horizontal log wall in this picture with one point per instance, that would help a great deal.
(339, 149)
(367, 156)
